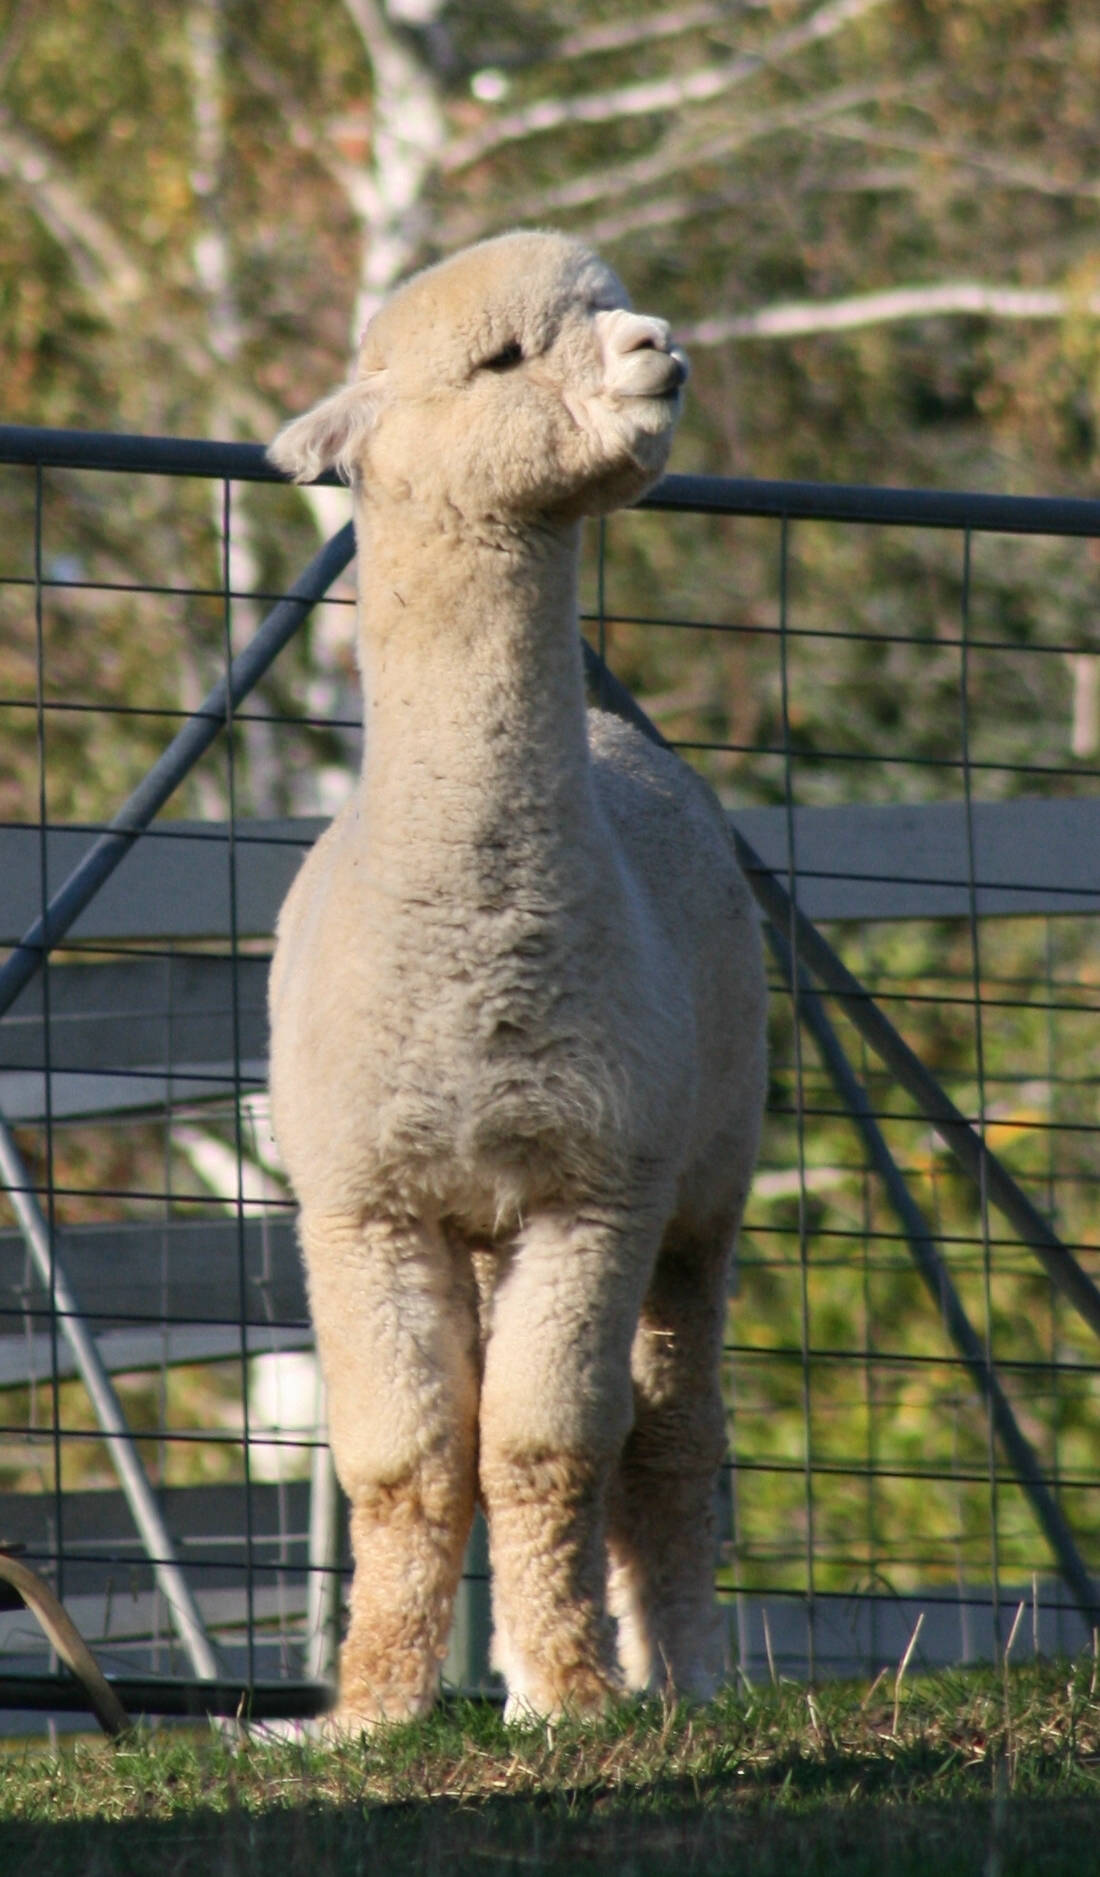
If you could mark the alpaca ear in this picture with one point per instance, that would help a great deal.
(330, 435)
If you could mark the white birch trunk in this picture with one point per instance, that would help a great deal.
(257, 778)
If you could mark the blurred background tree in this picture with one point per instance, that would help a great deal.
(877, 234)
(200, 205)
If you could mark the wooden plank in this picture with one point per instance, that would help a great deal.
(177, 1292)
(181, 1271)
(108, 1590)
(111, 1091)
(30, 1358)
(108, 1586)
(854, 862)
(912, 862)
(208, 1521)
(140, 1013)
(174, 883)
(176, 1019)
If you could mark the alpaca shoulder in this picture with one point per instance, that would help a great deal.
(668, 822)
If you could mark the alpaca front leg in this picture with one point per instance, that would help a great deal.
(408, 1538)
(395, 1317)
(555, 1408)
(662, 1501)
(553, 1638)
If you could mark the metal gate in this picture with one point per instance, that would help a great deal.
(912, 1356)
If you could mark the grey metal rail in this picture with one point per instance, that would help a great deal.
(720, 495)
(146, 1694)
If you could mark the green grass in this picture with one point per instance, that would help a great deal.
(960, 1773)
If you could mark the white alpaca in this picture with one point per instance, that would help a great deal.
(517, 1012)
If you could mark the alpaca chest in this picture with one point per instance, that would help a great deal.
(472, 1092)
(487, 1080)
(523, 1033)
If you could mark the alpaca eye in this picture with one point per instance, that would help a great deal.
(509, 355)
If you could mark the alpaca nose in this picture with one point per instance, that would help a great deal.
(641, 329)
(625, 334)
(655, 335)
(639, 332)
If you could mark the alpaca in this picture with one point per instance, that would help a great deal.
(517, 1009)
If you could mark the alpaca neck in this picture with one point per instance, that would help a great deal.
(474, 718)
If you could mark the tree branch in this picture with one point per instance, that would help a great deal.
(624, 35)
(794, 319)
(106, 271)
(1012, 175)
(682, 150)
(98, 259)
(681, 209)
(651, 97)
(303, 130)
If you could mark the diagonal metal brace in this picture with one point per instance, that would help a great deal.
(933, 1270)
(45, 1253)
(973, 1154)
(201, 729)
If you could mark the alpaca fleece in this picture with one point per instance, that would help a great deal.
(517, 1016)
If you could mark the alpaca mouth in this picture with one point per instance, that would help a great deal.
(652, 377)
(666, 397)
(677, 369)
(669, 393)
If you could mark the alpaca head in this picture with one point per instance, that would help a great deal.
(511, 382)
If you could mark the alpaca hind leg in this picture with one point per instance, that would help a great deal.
(661, 1537)
(395, 1317)
(555, 1408)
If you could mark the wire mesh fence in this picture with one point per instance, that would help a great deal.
(896, 697)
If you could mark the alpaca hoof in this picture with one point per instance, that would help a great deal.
(588, 1701)
(351, 1721)
(520, 1711)
(343, 1726)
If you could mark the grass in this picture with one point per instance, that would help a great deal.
(969, 1772)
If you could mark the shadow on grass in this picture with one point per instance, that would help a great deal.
(654, 1834)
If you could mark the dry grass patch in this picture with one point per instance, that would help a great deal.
(966, 1772)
